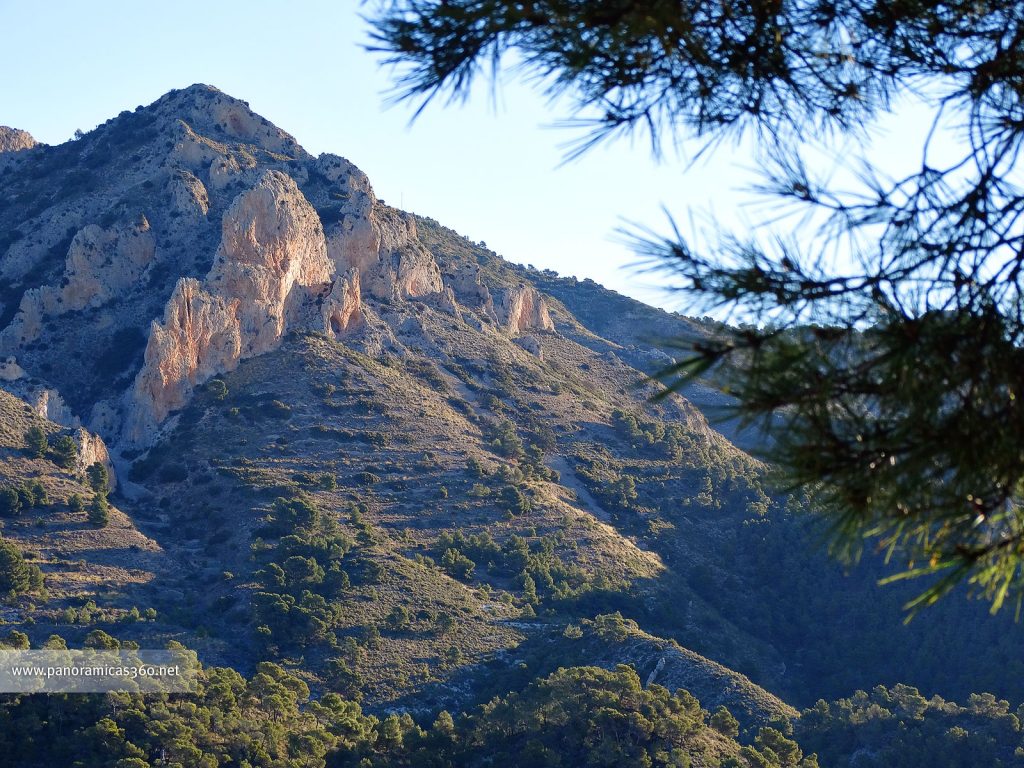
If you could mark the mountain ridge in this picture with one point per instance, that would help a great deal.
(380, 455)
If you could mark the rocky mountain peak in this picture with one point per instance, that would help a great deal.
(210, 112)
(190, 234)
(15, 140)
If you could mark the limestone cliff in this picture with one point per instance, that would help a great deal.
(189, 195)
(92, 450)
(331, 309)
(379, 241)
(522, 308)
(200, 335)
(15, 140)
(468, 285)
(101, 264)
(48, 404)
(270, 275)
(271, 241)
(10, 370)
(104, 263)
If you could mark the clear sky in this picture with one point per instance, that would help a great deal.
(489, 169)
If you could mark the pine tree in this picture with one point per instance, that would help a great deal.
(99, 511)
(64, 451)
(35, 442)
(16, 576)
(99, 478)
(10, 502)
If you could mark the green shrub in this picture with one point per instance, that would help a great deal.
(217, 389)
(39, 496)
(35, 442)
(16, 576)
(64, 451)
(99, 511)
(457, 564)
(10, 502)
(399, 618)
(514, 501)
(16, 640)
(99, 478)
(724, 722)
(279, 410)
(100, 640)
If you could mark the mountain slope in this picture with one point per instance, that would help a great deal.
(349, 440)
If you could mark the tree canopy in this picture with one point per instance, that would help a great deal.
(882, 342)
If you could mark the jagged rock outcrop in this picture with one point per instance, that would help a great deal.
(447, 303)
(200, 336)
(522, 308)
(271, 241)
(101, 264)
(28, 321)
(332, 308)
(468, 285)
(15, 139)
(192, 150)
(22, 257)
(271, 274)
(379, 241)
(188, 194)
(92, 450)
(104, 263)
(48, 404)
(10, 370)
(532, 345)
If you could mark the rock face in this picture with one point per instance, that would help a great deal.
(188, 194)
(271, 274)
(104, 263)
(199, 337)
(468, 286)
(28, 322)
(92, 450)
(271, 242)
(10, 370)
(219, 254)
(521, 309)
(332, 309)
(48, 404)
(101, 265)
(15, 140)
(379, 241)
(532, 345)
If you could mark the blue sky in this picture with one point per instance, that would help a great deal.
(489, 169)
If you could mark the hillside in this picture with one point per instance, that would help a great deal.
(351, 442)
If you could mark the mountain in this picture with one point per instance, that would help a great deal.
(343, 438)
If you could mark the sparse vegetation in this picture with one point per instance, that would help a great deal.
(36, 443)
(386, 522)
